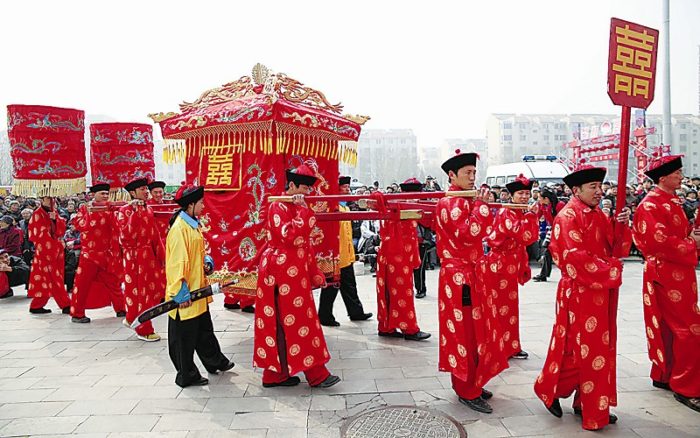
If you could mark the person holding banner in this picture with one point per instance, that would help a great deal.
(398, 256)
(288, 335)
(662, 233)
(507, 264)
(587, 247)
(46, 229)
(190, 327)
(98, 277)
(470, 346)
(144, 256)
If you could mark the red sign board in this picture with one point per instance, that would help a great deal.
(632, 63)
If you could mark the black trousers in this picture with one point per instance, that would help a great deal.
(546, 264)
(419, 274)
(348, 290)
(186, 337)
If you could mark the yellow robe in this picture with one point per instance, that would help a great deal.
(184, 260)
(347, 251)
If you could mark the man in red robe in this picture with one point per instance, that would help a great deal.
(46, 230)
(662, 233)
(398, 256)
(471, 348)
(507, 264)
(587, 247)
(98, 278)
(144, 257)
(156, 190)
(288, 335)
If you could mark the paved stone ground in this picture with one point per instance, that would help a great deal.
(98, 380)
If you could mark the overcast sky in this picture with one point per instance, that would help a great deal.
(439, 68)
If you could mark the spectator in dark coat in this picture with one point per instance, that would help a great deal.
(10, 236)
(15, 270)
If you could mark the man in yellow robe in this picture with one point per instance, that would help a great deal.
(190, 327)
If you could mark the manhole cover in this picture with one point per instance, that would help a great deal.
(402, 421)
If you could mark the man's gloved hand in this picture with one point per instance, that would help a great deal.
(208, 264)
(183, 295)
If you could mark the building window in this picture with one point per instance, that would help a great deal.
(522, 125)
(545, 137)
(534, 143)
(507, 125)
(523, 137)
(684, 126)
(507, 137)
(684, 137)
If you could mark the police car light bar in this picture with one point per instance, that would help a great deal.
(539, 158)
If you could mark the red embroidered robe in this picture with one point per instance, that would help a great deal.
(144, 258)
(398, 256)
(670, 291)
(506, 266)
(584, 335)
(286, 274)
(48, 266)
(460, 226)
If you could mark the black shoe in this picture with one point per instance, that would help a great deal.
(232, 306)
(692, 402)
(420, 295)
(539, 279)
(83, 320)
(330, 381)
(248, 309)
(393, 334)
(121, 314)
(478, 404)
(555, 409)
(660, 385)
(372, 270)
(361, 317)
(486, 394)
(330, 323)
(419, 336)
(66, 310)
(520, 355)
(8, 294)
(39, 311)
(612, 418)
(201, 382)
(292, 381)
(226, 367)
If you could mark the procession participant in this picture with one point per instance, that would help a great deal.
(288, 335)
(98, 277)
(507, 264)
(13, 272)
(235, 301)
(397, 258)
(143, 257)
(157, 191)
(348, 283)
(46, 229)
(469, 341)
(587, 247)
(663, 235)
(190, 327)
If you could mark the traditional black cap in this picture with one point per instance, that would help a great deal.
(411, 185)
(99, 187)
(156, 185)
(585, 175)
(301, 175)
(520, 183)
(135, 184)
(187, 195)
(460, 160)
(343, 180)
(664, 166)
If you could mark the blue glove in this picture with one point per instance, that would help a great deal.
(209, 262)
(183, 295)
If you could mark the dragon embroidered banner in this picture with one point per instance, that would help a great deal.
(121, 152)
(47, 147)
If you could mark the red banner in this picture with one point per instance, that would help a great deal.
(121, 152)
(632, 63)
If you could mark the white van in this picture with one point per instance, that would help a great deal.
(543, 168)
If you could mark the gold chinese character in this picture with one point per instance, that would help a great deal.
(219, 169)
(633, 62)
(632, 38)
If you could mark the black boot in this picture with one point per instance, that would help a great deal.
(292, 381)
(478, 404)
(660, 385)
(39, 311)
(555, 408)
(330, 381)
(419, 336)
(692, 402)
(520, 355)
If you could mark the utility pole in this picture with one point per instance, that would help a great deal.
(667, 136)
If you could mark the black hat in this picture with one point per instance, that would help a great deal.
(695, 178)
(585, 175)
(343, 180)
(156, 185)
(187, 195)
(411, 185)
(664, 166)
(135, 184)
(99, 187)
(460, 160)
(520, 183)
(301, 175)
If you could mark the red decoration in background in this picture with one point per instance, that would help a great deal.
(121, 152)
